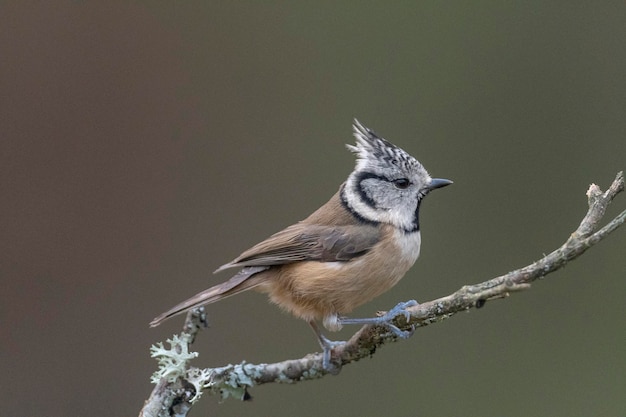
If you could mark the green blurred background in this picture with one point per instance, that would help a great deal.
(145, 144)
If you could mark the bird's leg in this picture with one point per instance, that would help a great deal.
(386, 320)
(327, 347)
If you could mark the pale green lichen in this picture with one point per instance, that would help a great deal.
(229, 381)
(312, 373)
(172, 361)
(234, 380)
(199, 378)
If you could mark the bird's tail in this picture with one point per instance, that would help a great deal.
(242, 281)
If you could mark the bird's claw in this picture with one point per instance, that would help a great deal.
(328, 346)
(386, 320)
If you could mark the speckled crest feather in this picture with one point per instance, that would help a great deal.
(374, 151)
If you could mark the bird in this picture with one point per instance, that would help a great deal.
(353, 248)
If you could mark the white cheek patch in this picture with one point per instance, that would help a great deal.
(353, 199)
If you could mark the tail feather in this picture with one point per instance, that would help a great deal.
(238, 283)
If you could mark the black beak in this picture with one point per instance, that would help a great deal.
(438, 183)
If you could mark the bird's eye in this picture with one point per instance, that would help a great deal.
(401, 183)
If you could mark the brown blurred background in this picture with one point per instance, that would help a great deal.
(145, 144)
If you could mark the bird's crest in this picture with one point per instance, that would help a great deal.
(375, 152)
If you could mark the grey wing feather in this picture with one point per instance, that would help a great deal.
(302, 242)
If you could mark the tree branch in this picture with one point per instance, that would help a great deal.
(179, 385)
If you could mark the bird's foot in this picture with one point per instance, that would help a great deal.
(386, 320)
(399, 309)
(328, 346)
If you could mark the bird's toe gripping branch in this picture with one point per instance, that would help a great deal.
(386, 320)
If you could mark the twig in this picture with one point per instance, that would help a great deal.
(177, 389)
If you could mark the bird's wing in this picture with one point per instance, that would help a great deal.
(305, 242)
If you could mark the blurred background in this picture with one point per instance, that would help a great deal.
(145, 144)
